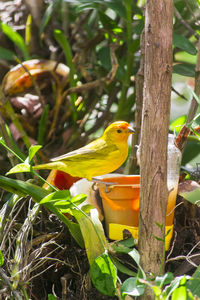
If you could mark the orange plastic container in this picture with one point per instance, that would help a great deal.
(121, 201)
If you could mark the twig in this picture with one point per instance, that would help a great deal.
(185, 24)
(179, 94)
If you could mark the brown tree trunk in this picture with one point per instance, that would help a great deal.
(154, 134)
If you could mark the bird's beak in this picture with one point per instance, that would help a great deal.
(131, 130)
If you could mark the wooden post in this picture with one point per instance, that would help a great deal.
(154, 133)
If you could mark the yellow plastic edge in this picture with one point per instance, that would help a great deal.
(116, 233)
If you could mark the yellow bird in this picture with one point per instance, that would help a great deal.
(103, 155)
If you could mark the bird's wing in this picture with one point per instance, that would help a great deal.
(96, 148)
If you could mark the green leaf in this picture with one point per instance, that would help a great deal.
(192, 196)
(165, 279)
(92, 232)
(19, 169)
(183, 43)
(116, 5)
(6, 54)
(15, 147)
(56, 196)
(122, 268)
(48, 13)
(104, 275)
(132, 287)
(195, 122)
(33, 150)
(18, 154)
(194, 283)
(61, 39)
(51, 297)
(191, 155)
(157, 290)
(195, 96)
(174, 285)
(136, 257)
(78, 199)
(22, 188)
(63, 42)
(15, 38)
(184, 69)
(176, 125)
(1, 259)
(183, 56)
(180, 293)
(66, 204)
(123, 246)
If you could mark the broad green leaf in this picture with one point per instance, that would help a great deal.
(191, 155)
(56, 196)
(184, 44)
(51, 297)
(136, 257)
(104, 275)
(33, 150)
(6, 54)
(16, 38)
(123, 246)
(77, 200)
(157, 290)
(176, 125)
(185, 57)
(184, 69)
(192, 196)
(1, 259)
(132, 287)
(194, 283)
(180, 293)
(92, 232)
(174, 285)
(19, 169)
(165, 279)
(22, 188)
(122, 268)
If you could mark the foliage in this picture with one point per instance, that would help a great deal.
(100, 42)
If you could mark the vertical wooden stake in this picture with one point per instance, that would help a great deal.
(154, 133)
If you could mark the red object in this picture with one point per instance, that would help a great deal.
(61, 180)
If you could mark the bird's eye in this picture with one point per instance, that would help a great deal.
(119, 130)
